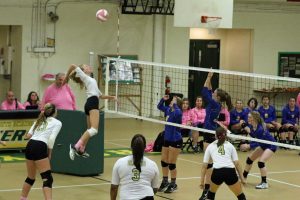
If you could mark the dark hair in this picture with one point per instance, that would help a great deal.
(265, 96)
(200, 97)
(255, 102)
(221, 135)
(138, 145)
(49, 110)
(186, 99)
(29, 97)
(225, 97)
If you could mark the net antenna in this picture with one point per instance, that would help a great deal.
(211, 23)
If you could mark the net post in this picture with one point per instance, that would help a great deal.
(117, 82)
(107, 77)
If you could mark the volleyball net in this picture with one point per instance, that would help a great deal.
(140, 85)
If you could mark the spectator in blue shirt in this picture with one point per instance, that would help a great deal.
(290, 120)
(238, 117)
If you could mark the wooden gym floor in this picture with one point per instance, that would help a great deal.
(283, 168)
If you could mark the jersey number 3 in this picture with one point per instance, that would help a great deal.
(221, 150)
(135, 174)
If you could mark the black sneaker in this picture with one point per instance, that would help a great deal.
(204, 195)
(163, 186)
(171, 188)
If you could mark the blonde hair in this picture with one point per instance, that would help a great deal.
(77, 79)
(49, 111)
(256, 116)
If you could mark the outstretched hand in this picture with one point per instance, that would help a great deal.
(210, 74)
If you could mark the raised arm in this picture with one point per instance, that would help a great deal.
(69, 72)
(208, 80)
(161, 106)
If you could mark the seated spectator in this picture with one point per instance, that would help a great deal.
(252, 105)
(33, 101)
(136, 175)
(60, 94)
(238, 118)
(11, 103)
(224, 116)
(198, 116)
(186, 117)
(268, 114)
(290, 120)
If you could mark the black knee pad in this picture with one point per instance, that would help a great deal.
(241, 197)
(281, 130)
(292, 129)
(249, 161)
(164, 164)
(47, 179)
(172, 166)
(243, 125)
(261, 165)
(210, 165)
(29, 181)
(211, 195)
(272, 129)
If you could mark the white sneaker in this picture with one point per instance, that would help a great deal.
(72, 152)
(262, 186)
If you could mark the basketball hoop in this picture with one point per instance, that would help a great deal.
(211, 23)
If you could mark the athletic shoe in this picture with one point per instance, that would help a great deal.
(82, 154)
(163, 186)
(72, 152)
(171, 188)
(204, 195)
(262, 186)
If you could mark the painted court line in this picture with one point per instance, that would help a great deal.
(120, 145)
(281, 172)
(277, 181)
(58, 187)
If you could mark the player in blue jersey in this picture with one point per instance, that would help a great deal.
(172, 142)
(257, 129)
(214, 100)
(290, 120)
(268, 114)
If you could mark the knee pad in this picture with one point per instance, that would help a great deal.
(261, 165)
(210, 165)
(293, 129)
(47, 179)
(282, 130)
(249, 161)
(164, 164)
(29, 181)
(241, 197)
(243, 125)
(172, 166)
(92, 131)
(211, 195)
(272, 129)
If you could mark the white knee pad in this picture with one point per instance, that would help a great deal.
(92, 131)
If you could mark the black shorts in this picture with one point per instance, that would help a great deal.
(92, 103)
(148, 198)
(208, 138)
(227, 175)
(175, 144)
(36, 150)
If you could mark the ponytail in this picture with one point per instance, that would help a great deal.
(228, 101)
(138, 145)
(221, 135)
(49, 110)
(225, 97)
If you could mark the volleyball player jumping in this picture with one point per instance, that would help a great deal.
(214, 102)
(82, 76)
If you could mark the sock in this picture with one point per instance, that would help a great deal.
(173, 181)
(165, 179)
(241, 197)
(23, 198)
(264, 179)
(79, 145)
(245, 174)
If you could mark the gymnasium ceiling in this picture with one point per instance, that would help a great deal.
(239, 5)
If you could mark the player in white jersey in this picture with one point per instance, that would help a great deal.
(225, 162)
(137, 176)
(42, 136)
(83, 76)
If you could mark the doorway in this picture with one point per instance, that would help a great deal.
(204, 54)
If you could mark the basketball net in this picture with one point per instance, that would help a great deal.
(211, 23)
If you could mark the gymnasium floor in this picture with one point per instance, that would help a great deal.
(283, 168)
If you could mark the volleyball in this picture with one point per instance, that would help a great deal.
(102, 15)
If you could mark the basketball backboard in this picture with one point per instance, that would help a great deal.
(188, 13)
